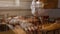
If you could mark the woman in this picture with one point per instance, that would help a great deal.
(33, 6)
(37, 7)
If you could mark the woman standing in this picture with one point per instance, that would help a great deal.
(33, 6)
(37, 7)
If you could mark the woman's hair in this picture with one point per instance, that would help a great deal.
(36, 0)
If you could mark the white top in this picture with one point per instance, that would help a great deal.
(33, 6)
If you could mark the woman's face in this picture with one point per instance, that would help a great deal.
(34, 0)
(39, 0)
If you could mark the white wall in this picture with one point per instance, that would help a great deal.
(15, 12)
(24, 5)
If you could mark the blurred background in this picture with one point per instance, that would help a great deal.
(22, 7)
(13, 17)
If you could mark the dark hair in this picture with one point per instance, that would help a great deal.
(36, 0)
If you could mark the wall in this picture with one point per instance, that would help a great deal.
(58, 3)
(24, 9)
(15, 12)
(53, 12)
